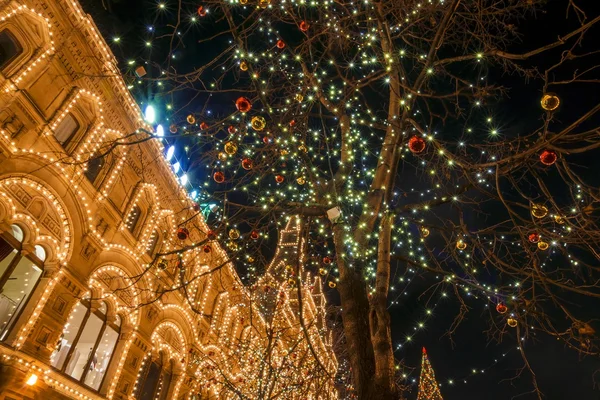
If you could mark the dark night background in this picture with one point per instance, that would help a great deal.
(561, 373)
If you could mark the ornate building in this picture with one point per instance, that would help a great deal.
(111, 284)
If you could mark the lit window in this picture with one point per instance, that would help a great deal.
(94, 166)
(19, 276)
(86, 346)
(152, 243)
(66, 129)
(134, 218)
(9, 48)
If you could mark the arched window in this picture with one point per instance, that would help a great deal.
(86, 345)
(152, 243)
(19, 276)
(9, 48)
(134, 218)
(157, 380)
(66, 129)
(94, 166)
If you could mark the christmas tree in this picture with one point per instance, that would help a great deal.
(428, 386)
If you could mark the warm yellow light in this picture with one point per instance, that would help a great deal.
(31, 380)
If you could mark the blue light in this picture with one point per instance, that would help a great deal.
(160, 131)
(170, 153)
(184, 179)
(176, 167)
(194, 194)
(150, 114)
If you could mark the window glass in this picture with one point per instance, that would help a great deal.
(152, 243)
(94, 166)
(66, 129)
(9, 48)
(7, 254)
(68, 336)
(40, 252)
(16, 291)
(17, 232)
(134, 217)
(101, 358)
(150, 382)
(84, 347)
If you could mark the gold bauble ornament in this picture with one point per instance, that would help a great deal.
(512, 322)
(264, 3)
(543, 245)
(222, 156)
(424, 232)
(322, 271)
(303, 148)
(284, 152)
(300, 180)
(299, 97)
(243, 1)
(258, 123)
(461, 245)
(234, 234)
(559, 220)
(233, 246)
(230, 148)
(244, 66)
(550, 102)
(191, 119)
(250, 259)
(332, 284)
(539, 210)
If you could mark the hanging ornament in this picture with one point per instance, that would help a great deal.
(244, 66)
(247, 164)
(292, 123)
(162, 265)
(222, 156)
(264, 3)
(234, 234)
(207, 248)
(280, 44)
(322, 271)
(300, 180)
(304, 26)
(424, 232)
(258, 123)
(512, 322)
(250, 259)
(559, 220)
(279, 178)
(243, 104)
(173, 128)
(461, 244)
(183, 233)
(543, 245)
(303, 148)
(548, 157)
(539, 210)
(299, 97)
(196, 207)
(211, 235)
(219, 177)
(254, 235)
(289, 268)
(230, 148)
(291, 282)
(232, 130)
(203, 126)
(201, 11)
(327, 260)
(501, 308)
(191, 119)
(233, 246)
(332, 284)
(534, 237)
(284, 152)
(416, 144)
(550, 102)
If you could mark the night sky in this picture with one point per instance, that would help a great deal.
(561, 373)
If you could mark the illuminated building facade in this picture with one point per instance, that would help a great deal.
(86, 306)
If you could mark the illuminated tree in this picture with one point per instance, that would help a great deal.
(375, 123)
(428, 386)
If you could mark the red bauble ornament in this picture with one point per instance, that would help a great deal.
(243, 104)
(201, 11)
(219, 177)
(196, 207)
(183, 233)
(534, 237)
(266, 139)
(279, 178)
(293, 123)
(203, 125)
(501, 308)
(548, 157)
(304, 26)
(416, 144)
(247, 164)
(326, 260)
(207, 248)
(267, 288)
(232, 129)
(280, 44)
(254, 234)
(211, 235)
